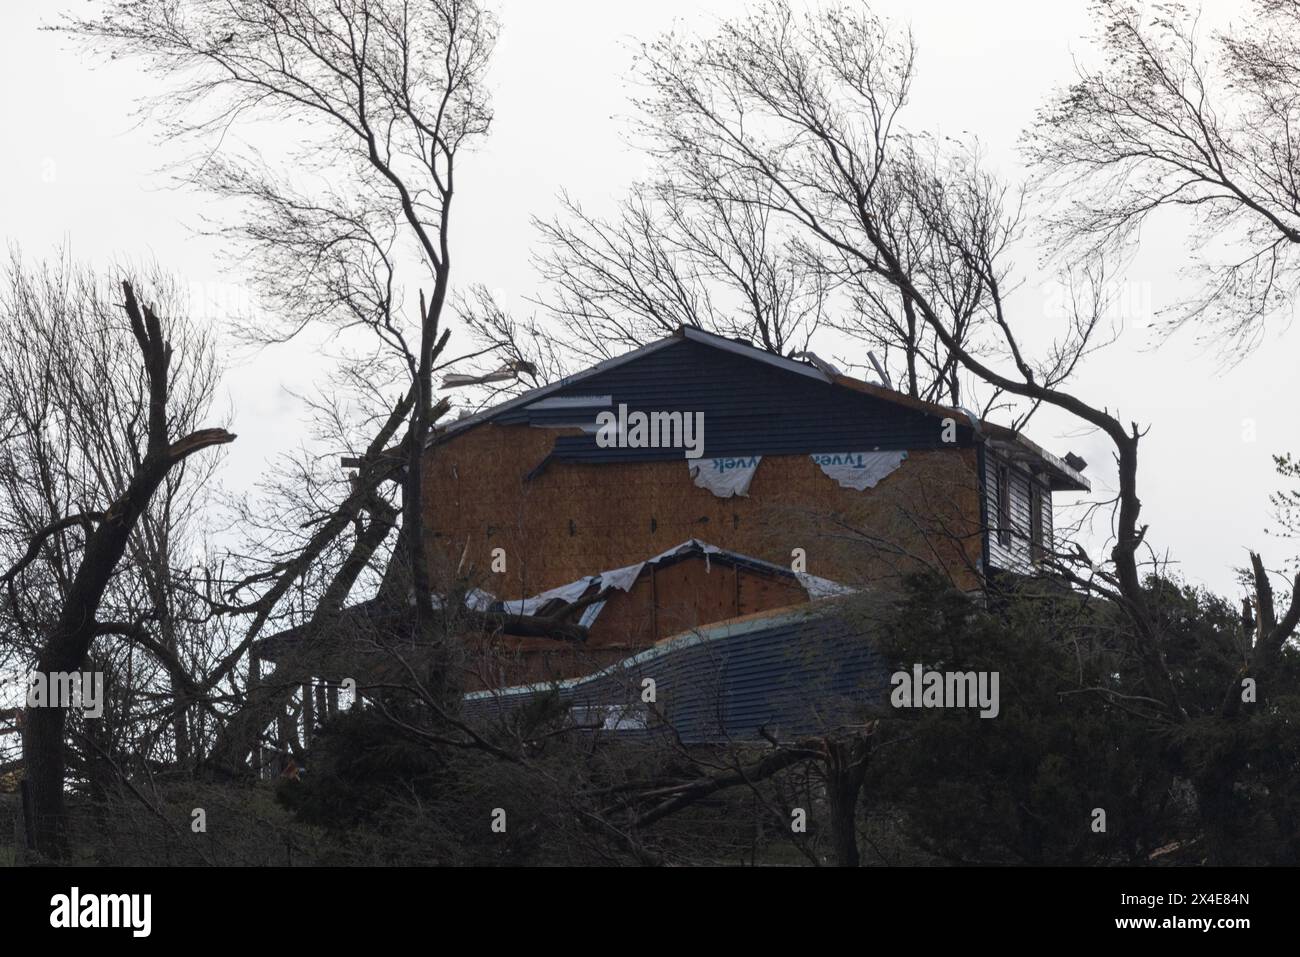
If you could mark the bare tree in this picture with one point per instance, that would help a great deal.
(1286, 501)
(679, 255)
(796, 100)
(623, 793)
(104, 426)
(350, 231)
(1174, 119)
(705, 243)
(882, 318)
(808, 102)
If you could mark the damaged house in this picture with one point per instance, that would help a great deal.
(700, 500)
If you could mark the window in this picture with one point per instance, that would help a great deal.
(1035, 522)
(1004, 506)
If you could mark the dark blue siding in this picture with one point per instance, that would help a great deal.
(798, 677)
(750, 408)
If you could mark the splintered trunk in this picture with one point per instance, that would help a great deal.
(846, 769)
(68, 645)
(424, 415)
(65, 652)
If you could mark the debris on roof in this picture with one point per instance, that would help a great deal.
(1061, 475)
(822, 587)
(622, 579)
(475, 600)
(827, 367)
(506, 373)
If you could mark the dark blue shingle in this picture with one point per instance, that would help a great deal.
(794, 674)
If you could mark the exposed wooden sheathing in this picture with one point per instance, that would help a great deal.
(573, 520)
(665, 601)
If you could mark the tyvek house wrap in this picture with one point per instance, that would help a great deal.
(725, 477)
(858, 470)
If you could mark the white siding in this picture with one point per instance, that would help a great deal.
(1014, 556)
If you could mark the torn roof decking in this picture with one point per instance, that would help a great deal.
(624, 578)
(372, 617)
(753, 403)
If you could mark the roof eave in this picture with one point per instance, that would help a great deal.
(1062, 477)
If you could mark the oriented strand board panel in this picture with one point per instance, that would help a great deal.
(573, 520)
(628, 619)
(665, 601)
(691, 593)
(761, 592)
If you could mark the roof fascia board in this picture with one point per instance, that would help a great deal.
(572, 402)
(935, 409)
(1070, 478)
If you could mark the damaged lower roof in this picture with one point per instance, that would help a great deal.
(587, 592)
(787, 672)
(624, 578)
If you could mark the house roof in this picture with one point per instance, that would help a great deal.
(790, 672)
(1014, 445)
(834, 427)
(683, 332)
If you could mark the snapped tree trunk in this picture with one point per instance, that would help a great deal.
(846, 769)
(66, 648)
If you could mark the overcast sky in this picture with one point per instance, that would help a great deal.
(74, 167)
